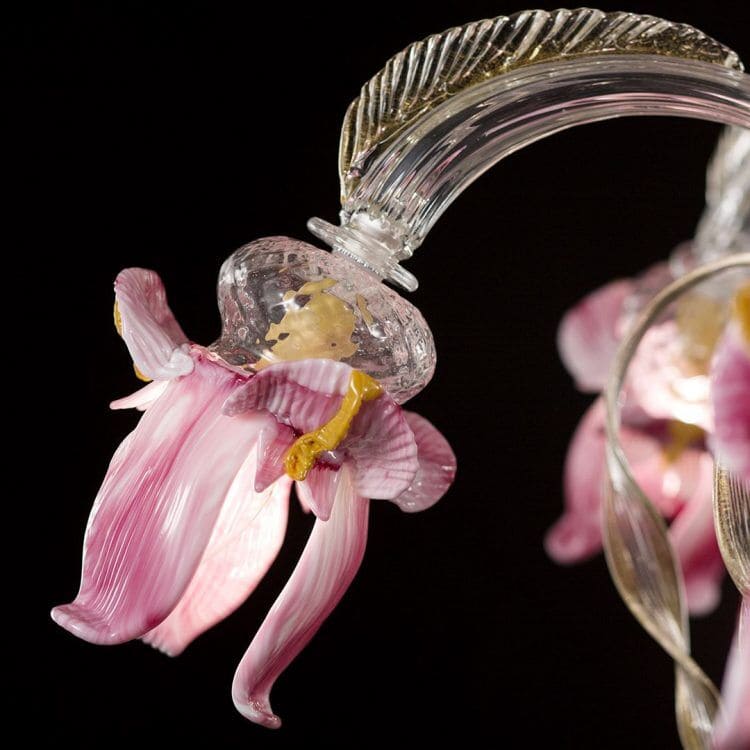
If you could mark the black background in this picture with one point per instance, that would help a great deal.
(166, 135)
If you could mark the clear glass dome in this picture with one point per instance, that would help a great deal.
(282, 299)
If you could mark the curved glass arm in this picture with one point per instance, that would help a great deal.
(399, 190)
(406, 189)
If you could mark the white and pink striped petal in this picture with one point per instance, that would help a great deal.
(304, 394)
(157, 506)
(143, 397)
(437, 466)
(318, 490)
(245, 541)
(274, 441)
(383, 449)
(157, 344)
(328, 564)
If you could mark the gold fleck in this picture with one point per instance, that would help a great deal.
(681, 436)
(118, 326)
(742, 310)
(366, 314)
(118, 318)
(700, 320)
(320, 326)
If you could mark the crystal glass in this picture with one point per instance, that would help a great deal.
(282, 300)
(406, 188)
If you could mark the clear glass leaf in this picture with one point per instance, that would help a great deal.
(732, 521)
(696, 706)
(428, 72)
(644, 568)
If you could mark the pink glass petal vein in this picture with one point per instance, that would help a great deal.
(143, 397)
(325, 570)
(245, 541)
(437, 466)
(318, 490)
(156, 509)
(274, 441)
(157, 344)
(303, 394)
(382, 446)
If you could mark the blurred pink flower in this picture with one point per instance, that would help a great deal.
(193, 508)
(668, 457)
(661, 435)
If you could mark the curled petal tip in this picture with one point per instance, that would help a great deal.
(588, 334)
(317, 492)
(324, 571)
(571, 540)
(157, 344)
(85, 625)
(258, 710)
(162, 645)
(436, 466)
(142, 398)
(703, 595)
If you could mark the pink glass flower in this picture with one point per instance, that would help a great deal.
(193, 508)
(665, 411)
(664, 416)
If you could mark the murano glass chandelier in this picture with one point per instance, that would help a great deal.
(304, 388)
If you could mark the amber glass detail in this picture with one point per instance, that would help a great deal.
(301, 457)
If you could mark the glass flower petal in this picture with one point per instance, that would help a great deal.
(325, 570)
(318, 491)
(245, 541)
(157, 344)
(437, 466)
(157, 506)
(143, 397)
(589, 333)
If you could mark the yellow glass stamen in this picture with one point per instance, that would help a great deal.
(700, 320)
(681, 436)
(118, 326)
(301, 457)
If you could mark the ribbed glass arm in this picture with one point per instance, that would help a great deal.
(399, 196)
